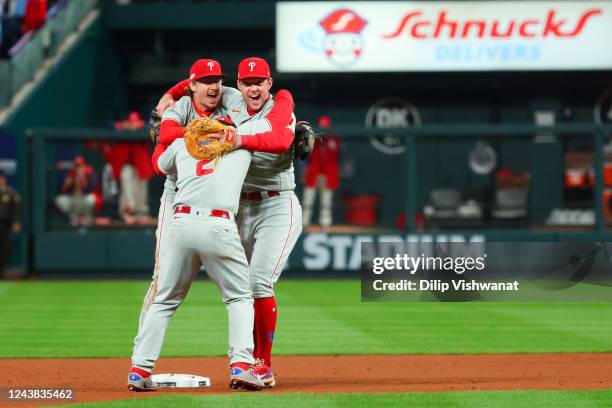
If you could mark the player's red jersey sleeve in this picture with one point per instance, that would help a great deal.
(281, 136)
(178, 90)
(169, 131)
(159, 150)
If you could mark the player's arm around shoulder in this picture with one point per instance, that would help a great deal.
(275, 132)
(173, 122)
(173, 94)
(179, 111)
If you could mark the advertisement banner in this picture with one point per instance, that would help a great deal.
(443, 36)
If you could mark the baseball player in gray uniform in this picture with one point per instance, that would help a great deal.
(203, 225)
(208, 74)
(270, 215)
(175, 268)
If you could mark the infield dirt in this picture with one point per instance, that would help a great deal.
(105, 379)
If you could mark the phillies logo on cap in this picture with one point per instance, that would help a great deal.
(205, 68)
(338, 37)
(253, 67)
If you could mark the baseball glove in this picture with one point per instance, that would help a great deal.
(304, 140)
(201, 145)
(154, 124)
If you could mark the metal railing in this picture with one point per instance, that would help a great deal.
(412, 136)
(109, 244)
(599, 134)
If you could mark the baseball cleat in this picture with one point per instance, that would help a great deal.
(264, 373)
(245, 380)
(140, 381)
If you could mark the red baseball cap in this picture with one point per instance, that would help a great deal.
(325, 121)
(253, 67)
(134, 117)
(205, 68)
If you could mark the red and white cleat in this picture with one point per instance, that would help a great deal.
(140, 381)
(264, 373)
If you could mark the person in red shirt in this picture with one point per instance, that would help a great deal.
(77, 198)
(35, 15)
(322, 172)
(131, 166)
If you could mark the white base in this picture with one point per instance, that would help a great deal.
(180, 381)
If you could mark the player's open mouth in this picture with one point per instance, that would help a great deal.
(254, 98)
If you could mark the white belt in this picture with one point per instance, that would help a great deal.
(203, 212)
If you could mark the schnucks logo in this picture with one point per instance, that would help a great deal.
(417, 26)
(338, 36)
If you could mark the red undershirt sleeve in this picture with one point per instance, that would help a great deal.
(275, 141)
(178, 90)
(159, 150)
(281, 136)
(169, 131)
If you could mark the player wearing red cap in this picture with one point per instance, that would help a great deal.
(270, 215)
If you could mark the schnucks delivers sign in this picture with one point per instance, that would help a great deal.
(443, 36)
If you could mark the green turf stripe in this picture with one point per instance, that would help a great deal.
(497, 399)
(75, 319)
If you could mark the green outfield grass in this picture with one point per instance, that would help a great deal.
(497, 399)
(99, 319)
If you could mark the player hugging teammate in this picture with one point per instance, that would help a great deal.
(254, 183)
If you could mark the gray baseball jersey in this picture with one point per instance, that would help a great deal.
(183, 112)
(268, 171)
(269, 228)
(203, 183)
(232, 105)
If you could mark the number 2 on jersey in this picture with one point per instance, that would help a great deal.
(201, 171)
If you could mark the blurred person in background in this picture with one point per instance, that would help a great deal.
(131, 166)
(322, 173)
(35, 15)
(2, 13)
(77, 198)
(10, 21)
(10, 214)
(18, 17)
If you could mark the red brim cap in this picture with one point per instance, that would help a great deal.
(205, 68)
(253, 68)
